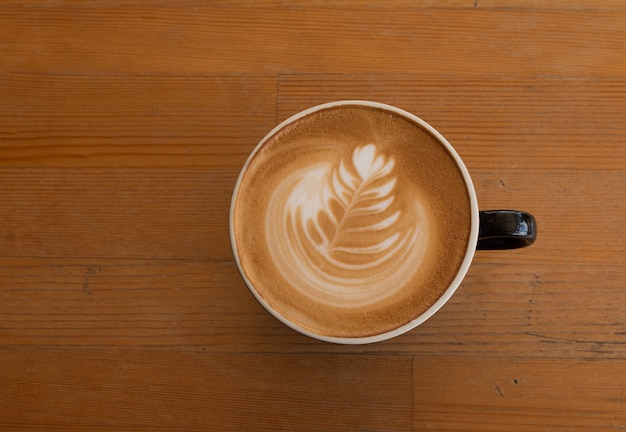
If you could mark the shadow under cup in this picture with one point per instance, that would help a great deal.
(353, 222)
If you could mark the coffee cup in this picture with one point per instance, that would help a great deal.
(354, 222)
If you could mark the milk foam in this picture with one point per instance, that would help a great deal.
(340, 233)
(350, 221)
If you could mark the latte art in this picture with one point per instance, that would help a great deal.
(339, 226)
(350, 221)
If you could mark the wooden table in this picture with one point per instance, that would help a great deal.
(123, 125)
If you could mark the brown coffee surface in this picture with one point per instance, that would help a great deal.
(351, 221)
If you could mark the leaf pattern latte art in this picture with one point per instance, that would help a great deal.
(362, 191)
(339, 231)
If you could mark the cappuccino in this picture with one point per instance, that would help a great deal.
(351, 220)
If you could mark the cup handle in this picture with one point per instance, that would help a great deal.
(506, 229)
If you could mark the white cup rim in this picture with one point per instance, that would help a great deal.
(447, 294)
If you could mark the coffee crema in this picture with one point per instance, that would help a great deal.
(351, 221)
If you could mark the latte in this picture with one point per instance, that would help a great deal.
(351, 221)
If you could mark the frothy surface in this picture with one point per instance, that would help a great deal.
(351, 221)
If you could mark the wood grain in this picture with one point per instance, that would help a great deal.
(199, 121)
(118, 213)
(123, 126)
(142, 121)
(205, 391)
(501, 310)
(520, 123)
(271, 41)
(519, 395)
(341, 4)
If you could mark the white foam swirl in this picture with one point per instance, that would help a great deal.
(339, 233)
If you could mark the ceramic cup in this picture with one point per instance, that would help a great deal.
(355, 221)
